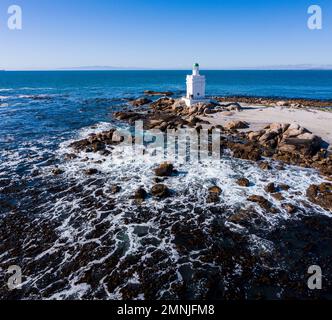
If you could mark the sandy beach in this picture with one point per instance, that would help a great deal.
(318, 122)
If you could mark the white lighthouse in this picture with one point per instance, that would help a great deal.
(195, 87)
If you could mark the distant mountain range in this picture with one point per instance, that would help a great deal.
(291, 67)
(112, 68)
(98, 68)
(275, 67)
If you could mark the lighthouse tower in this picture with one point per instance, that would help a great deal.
(195, 87)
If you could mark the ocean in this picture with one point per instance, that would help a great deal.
(74, 238)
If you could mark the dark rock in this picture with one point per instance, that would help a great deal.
(57, 171)
(35, 173)
(214, 194)
(264, 203)
(289, 208)
(165, 170)
(265, 166)
(160, 191)
(70, 156)
(140, 194)
(91, 171)
(278, 196)
(158, 93)
(246, 151)
(321, 195)
(98, 146)
(284, 187)
(115, 189)
(271, 188)
(140, 102)
(243, 182)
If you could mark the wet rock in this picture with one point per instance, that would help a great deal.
(284, 187)
(98, 146)
(91, 171)
(214, 194)
(105, 153)
(265, 166)
(57, 171)
(289, 208)
(141, 231)
(126, 116)
(140, 194)
(70, 156)
(271, 188)
(234, 125)
(188, 237)
(34, 173)
(160, 191)
(321, 195)
(243, 182)
(247, 151)
(278, 196)
(264, 203)
(158, 93)
(115, 189)
(165, 170)
(140, 102)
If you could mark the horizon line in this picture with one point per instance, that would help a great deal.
(233, 68)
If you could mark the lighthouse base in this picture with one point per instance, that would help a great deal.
(192, 102)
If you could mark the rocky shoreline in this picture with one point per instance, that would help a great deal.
(284, 143)
(281, 102)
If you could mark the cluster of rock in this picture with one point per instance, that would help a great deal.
(288, 143)
(290, 103)
(321, 195)
(292, 144)
(98, 142)
(159, 190)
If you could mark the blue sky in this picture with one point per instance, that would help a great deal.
(164, 34)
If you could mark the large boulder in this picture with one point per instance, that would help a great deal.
(306, 143)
